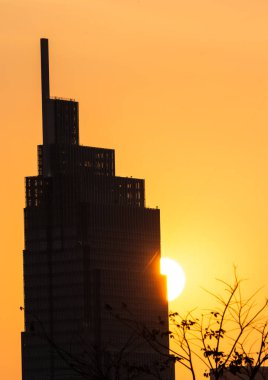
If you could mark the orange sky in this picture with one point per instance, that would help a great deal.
(180, 90)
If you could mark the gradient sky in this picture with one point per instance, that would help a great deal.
(180, 90)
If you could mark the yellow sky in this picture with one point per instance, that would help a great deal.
(180, 90)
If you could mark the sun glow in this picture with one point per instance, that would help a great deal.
(175, 277)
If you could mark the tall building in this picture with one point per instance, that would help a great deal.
(90, 242)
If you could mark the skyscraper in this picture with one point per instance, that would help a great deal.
(89, 242)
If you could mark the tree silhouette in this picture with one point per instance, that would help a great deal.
(230, 338)
(104, 363)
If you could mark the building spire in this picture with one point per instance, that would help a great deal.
(44, 68)
(45, 87)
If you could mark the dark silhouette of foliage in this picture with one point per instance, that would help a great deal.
(232, 337)
(102, 363)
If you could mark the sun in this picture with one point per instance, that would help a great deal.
(175, 277)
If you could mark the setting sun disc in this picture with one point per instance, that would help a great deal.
(175, 277)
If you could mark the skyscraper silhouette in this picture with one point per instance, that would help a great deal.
(89, 242)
